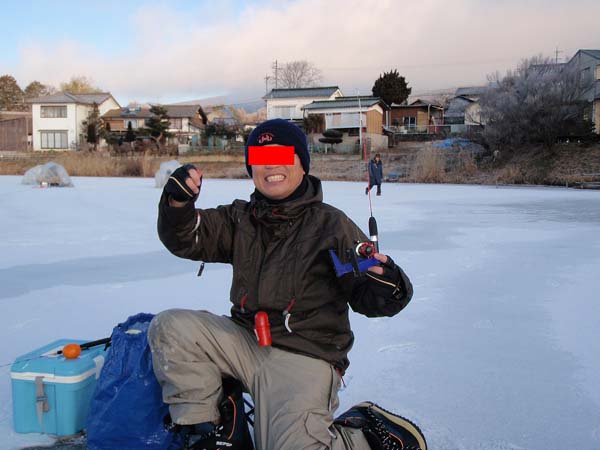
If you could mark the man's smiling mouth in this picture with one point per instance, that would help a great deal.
(274, 178)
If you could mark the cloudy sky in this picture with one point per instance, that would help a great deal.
(181, 50)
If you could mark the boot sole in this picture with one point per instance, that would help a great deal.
(413, 429)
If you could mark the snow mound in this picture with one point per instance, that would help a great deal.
(49, 174)
(164, 172)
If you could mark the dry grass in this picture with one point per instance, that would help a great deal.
(466, 163)
(86, 165)
(566, 164)
(429, 167)
(511, 174)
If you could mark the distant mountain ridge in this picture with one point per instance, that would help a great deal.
(248, 106)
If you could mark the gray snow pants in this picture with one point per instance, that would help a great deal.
(294, 395)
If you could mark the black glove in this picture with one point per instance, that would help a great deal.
(390, 285)
(177, 188)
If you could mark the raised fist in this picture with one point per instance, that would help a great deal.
(184, 184)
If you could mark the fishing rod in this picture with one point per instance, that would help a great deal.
(362, 256)
(72, 351)
(69, 351)
(373, 233)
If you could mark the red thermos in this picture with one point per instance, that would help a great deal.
(262, 329)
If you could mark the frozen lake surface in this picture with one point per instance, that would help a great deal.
(499, 348)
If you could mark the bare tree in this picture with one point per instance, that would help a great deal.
(80, 85)
(538, 102)
(298, 74)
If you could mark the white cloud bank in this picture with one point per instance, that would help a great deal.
(434, 44)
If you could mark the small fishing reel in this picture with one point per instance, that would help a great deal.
(365, 249)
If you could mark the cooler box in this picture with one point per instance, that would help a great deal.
(51, 394)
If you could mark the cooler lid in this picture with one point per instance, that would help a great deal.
(56, 368)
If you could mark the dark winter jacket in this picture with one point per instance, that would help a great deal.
(375, 172)
(281, 265)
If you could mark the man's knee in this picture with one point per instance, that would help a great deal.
(164, 323)
(183, 326)
(173, 324)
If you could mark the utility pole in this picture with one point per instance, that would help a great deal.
(360, 139)
(276, 71)
(556, 52)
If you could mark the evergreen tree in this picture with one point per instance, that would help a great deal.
(11, 95)
(93, 126)
(391, 88)
(158, 124)
(332, 137)
(130, 135)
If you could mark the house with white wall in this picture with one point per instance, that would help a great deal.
(288, 103)
(354, 117)
(57, 118)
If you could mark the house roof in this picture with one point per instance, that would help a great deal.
(470, 91)
(457, 106)
(326, 91)
(552, 67)
(346, 102)
(593, 53)
(138, 112)
(175, 111)
(418, 103)
(67, 97)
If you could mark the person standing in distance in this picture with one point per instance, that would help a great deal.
(375, 174)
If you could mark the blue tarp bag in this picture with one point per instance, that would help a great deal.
(127, 411)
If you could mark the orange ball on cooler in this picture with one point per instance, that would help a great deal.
(71, 351)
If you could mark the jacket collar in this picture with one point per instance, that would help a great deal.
(265, 210)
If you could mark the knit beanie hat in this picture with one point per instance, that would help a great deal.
(280, 132)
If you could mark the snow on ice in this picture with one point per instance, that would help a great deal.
(497, 350)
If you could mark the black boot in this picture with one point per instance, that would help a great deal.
(383, 429)
(231, 434)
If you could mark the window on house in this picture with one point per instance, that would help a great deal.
(586, 75)
(350, 120)
(284, 112)
(587, 113)
(54, 139)
(176, 123)
(51, 112)
(334, 120)
(409, 121)
(134, 123)
(598, 72)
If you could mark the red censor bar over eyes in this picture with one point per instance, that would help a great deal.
(271, 155)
